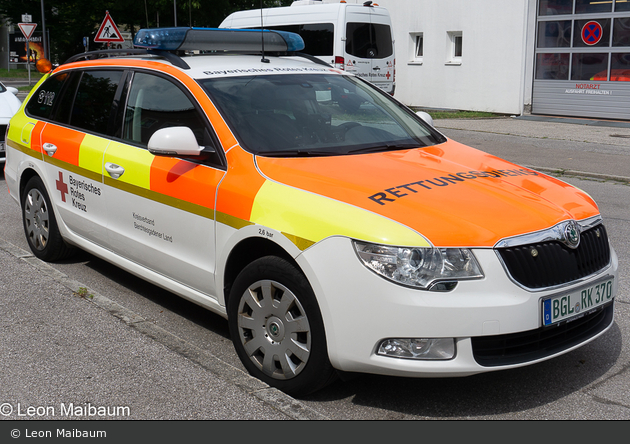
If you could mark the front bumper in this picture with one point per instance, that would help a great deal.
(360, 309)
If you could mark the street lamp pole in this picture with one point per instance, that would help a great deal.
(46, 55)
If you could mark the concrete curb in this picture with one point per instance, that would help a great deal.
(280, 401)
(562, 172)
(575, 121)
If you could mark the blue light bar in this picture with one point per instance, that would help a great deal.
(217, 39)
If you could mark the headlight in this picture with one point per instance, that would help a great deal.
(426, 268)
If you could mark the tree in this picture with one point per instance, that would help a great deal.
(68, 21)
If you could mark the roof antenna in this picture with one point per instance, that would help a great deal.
(262, 34)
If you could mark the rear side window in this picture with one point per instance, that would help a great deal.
(318, 37)
(41, 104)
(369, 41)
(94, 98)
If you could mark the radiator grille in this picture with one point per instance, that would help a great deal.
(555, 263)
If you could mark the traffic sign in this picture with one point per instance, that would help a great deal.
(108, 32)
(592, 33)
(27, 29)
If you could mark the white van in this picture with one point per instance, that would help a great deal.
(356, 37)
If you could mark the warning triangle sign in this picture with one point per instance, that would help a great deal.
(27, 29)
(108, 32)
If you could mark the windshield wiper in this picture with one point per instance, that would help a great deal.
(386, 147)
(296, 153)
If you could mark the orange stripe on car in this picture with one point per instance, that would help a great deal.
(452, 194)
(184, 180)
(68, 142)
(240, 186)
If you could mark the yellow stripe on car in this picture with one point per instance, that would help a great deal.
(91, 155)
(312, 218)
(136, 161)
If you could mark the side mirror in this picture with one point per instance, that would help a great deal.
(174, 141)
(425, 116)
(12, 90)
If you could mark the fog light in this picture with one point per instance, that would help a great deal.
(443, 348)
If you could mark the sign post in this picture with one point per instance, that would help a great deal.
(27, 30)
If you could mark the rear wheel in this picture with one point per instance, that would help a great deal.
(40, 225)
(277, 328)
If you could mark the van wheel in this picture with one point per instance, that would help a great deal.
(40, 225)
(277, 328)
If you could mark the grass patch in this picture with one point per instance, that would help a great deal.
(20, 73)
(459, 114)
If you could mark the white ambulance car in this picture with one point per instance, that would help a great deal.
(331, 240)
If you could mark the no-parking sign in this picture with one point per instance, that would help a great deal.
(592, 33)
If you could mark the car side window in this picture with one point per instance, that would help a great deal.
(93, 101)
(155, 103)
(47, 95)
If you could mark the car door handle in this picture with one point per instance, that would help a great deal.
(50, 148)
(377, 68)
(114, 170)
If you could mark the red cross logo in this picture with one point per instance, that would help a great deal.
(62, 186)
(388, 75)
(592, 33)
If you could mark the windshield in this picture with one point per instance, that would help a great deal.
(315, 114)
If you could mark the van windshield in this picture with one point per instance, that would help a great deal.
(289, 115)
(368, 40)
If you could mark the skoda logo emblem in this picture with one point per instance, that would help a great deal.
(274, 329)
(572, 234)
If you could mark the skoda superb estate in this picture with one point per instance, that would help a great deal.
(333, 228)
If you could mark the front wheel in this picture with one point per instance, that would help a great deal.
(40, 225)
(277, 328)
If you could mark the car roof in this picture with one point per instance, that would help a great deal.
(206, 66)
(213, 52)
(203, 66)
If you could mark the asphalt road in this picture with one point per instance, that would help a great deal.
(86, 333)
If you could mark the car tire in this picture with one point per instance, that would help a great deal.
(277, 328)
(40, 225)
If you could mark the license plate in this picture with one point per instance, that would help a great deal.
(576, 303)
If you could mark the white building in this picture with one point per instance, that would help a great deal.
(555, 57)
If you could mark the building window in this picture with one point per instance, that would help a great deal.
(417, 48)
(552, 66)
(621, 34)
(620, 68)
(455, 50)
(555, 7)
(589, 66)
(591, 33)
(592, 6)
(554, 34)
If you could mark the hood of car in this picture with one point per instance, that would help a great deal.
(451, 194)
(9, 104)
